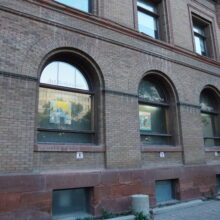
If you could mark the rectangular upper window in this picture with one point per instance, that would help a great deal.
(202, 37)
(83, 5)
(148, 18)
(200, 40)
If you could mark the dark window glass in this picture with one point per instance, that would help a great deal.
(70, 202)
(208, 129)
(218, 183)
(208, 117)
(79, 4)
(147, 18)
(154, 140)
(152, 114)
(65, 105)
(206, 102)
(63, 137)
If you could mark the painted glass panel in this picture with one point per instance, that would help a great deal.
(64, 110)
(152, 119)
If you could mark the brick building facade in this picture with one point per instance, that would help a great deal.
(105, 44)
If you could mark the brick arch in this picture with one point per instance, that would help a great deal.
(41, 50)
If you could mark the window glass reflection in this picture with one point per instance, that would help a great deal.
(206, 102)
(208, 106)
(208, 124)
(151, 92)
(79, 4)
(147, 24)
(198, 30)
(200, 39)
(63, 74)
(146, 5)
(200, 45)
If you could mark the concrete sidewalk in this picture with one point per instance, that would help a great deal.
(207, 210)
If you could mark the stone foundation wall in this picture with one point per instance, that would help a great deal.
(110, 189)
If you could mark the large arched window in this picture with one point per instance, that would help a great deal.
(154, 103)
(65, 105)
(209, 115)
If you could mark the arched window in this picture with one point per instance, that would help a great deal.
(154, 103)
(209, 114)
(65, 105)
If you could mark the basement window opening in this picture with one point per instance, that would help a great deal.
(71, 203)
(166, 192)
(218, 183)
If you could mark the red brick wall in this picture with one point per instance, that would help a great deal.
(111, 189)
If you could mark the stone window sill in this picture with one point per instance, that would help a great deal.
(158, 148)
(212, 149)
(69, 148)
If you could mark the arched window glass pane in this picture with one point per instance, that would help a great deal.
(151, 92)
(206, 102)
(63, 74)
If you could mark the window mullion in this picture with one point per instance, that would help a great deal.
(153, 14)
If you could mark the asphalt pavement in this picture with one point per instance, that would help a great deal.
(207, 210)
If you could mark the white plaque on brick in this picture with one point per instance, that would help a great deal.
(162, 154)
(79, 155)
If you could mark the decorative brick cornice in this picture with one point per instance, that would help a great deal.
(108, 24)
(122, 30)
